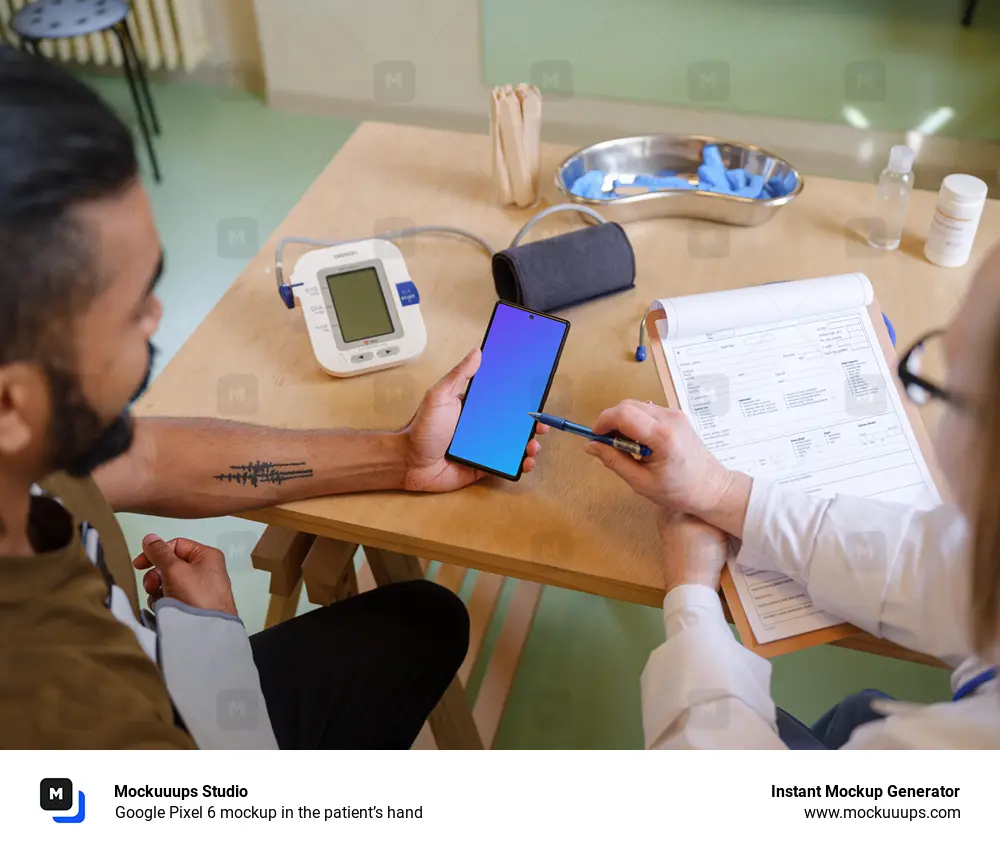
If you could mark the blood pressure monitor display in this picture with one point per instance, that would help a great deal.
(360, 305)
(361, 308)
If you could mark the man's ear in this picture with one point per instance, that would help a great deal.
(18, 382)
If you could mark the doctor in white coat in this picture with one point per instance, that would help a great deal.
(931, 585)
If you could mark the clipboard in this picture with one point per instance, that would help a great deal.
(844, 632)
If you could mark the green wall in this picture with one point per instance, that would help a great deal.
(895, 62)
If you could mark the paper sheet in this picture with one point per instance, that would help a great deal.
(803, 396)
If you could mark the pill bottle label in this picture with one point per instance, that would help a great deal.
(949, 242)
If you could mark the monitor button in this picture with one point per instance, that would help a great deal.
(363, 356)
(407, 293)
(388, 352)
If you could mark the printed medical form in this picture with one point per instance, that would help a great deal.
(803, 395)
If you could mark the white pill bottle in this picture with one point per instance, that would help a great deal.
(959, 206)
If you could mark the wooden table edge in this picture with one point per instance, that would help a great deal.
(540, 573)
(551, 576)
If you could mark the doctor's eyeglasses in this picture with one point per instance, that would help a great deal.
(923, 371)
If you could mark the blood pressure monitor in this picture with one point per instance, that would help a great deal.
(361, 309)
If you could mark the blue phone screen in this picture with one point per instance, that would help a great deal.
(518, 358)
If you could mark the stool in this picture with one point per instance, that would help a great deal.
(74, 18)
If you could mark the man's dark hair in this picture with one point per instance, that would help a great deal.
(60, 146)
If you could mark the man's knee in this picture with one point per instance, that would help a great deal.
(437, 619)
(448, 615)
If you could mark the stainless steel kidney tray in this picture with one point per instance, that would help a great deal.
(683, 154)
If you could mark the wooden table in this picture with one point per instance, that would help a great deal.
(569, 523)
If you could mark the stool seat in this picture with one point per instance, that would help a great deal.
(68, 18)
(54, 19)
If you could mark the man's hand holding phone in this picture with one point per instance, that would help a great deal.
(430, 432)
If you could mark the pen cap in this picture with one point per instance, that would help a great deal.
(551, 274)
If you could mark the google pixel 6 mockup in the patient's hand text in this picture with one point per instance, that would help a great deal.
(520, 355)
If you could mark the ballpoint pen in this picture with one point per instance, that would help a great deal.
(621, 443)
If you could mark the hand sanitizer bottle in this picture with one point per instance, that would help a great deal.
(892, 196)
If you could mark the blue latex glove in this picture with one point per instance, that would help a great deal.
(655, 184)
(716, 178)
(737, 179)
(647, 180)
(713, 171)
(712, 158)
(713, 176)
(778, 187)
(589, 186)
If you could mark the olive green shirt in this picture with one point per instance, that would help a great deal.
(72, 675)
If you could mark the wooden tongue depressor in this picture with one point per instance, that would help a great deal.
(512, 142)
(501, 177)
(531, 116)
(511, 131)
(515, 131)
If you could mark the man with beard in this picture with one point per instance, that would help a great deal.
(80, 666)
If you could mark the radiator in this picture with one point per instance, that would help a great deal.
(170, 35)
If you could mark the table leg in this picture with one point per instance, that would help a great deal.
(281, 608)
(451, 721)
(326, 570)
(281, 552)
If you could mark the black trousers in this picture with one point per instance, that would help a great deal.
(363, 673)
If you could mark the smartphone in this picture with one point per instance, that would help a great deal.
(521, 351)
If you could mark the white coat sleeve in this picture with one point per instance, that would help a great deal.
(701, 689)
(896, 572)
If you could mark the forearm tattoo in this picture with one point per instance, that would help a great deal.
(264, 472)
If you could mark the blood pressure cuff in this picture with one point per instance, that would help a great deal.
(554, 273)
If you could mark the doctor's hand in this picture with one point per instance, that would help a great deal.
(693, 551)
(187, 571)
(681, 474)
(430, 431)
